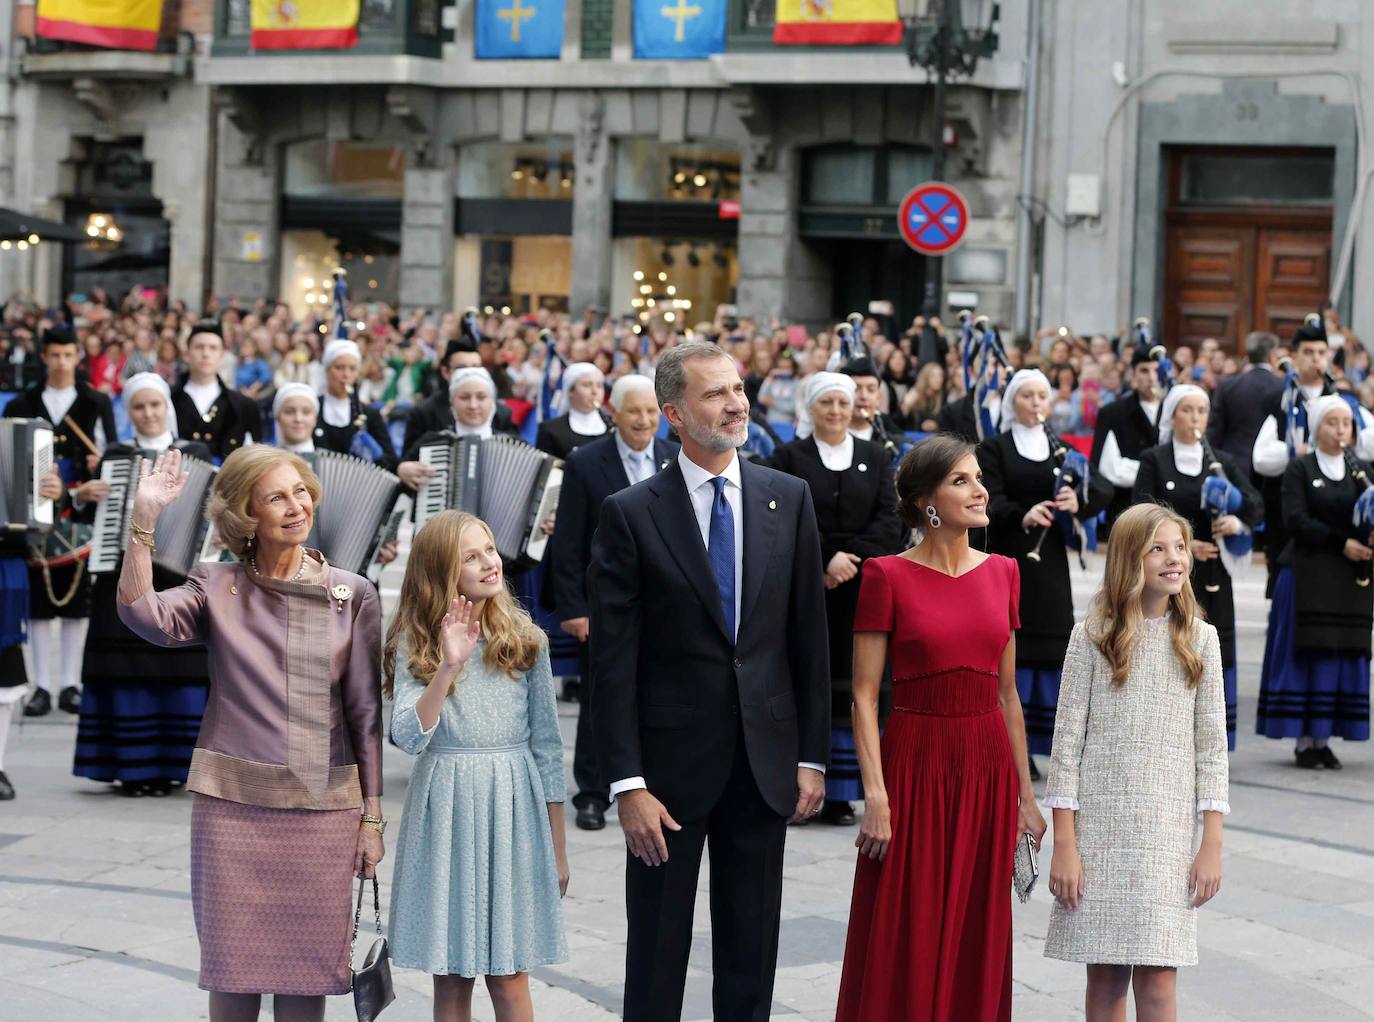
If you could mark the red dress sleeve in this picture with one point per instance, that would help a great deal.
(875, 612)
(1014, 598)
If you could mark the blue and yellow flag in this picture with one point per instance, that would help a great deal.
(516, 29)
(679, 29)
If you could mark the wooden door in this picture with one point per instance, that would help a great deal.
(1293, 275)
(1210, 284)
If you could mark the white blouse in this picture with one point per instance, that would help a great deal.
(1031, 441)
(836, 457)
(586, 423)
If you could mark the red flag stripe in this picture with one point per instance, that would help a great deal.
(844, 33)
(98, 35)
(304, 38)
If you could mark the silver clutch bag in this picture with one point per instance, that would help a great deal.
(1025, 868)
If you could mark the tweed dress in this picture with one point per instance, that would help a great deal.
(1139, 763)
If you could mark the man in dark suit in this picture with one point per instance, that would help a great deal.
(628, 455)
(710, 665)
(435, 413)
(1125, 429)
(207, 411)
(1243, 402)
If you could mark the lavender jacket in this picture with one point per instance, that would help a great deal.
(294, 718)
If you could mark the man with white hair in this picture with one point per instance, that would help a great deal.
(628, 454)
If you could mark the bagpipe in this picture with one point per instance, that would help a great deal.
(1362, 517)
(362, 446)
(1293, 403)
(853, 349)
(1221, 497)
(1072, 470)
(984, 361)
(470, 326)
(1142, 333)
(548, 406)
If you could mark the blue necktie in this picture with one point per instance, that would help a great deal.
(721, 549)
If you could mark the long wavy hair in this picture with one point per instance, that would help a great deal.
(513, 640)
(1115, 621)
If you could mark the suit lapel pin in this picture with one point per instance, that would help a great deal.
(863, 467)
(1169, 485)
(772, 505)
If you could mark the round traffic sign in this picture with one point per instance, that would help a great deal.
(933, 218)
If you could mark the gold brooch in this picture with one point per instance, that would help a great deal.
(341, 592)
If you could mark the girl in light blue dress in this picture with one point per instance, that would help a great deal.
(480, 861)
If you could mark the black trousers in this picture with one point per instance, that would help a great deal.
(746, 846)
(592, 788)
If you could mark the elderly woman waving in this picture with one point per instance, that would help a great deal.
(291, 743)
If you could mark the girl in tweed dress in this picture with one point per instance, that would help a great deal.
(1139, 754)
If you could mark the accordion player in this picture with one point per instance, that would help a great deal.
(510, 485)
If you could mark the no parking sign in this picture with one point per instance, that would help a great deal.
(933, 218)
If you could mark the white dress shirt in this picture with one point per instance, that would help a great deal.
(1188, 458)
(702, 493)
(836, 457)
(337, 411)
(1332, 465)
(863, 433)
(638, 465)
(203, 395)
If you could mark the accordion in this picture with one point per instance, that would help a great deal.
(357, 513)
(26, 459)
(510, 485)
(182, 535)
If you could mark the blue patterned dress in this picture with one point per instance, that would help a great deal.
(476, 885)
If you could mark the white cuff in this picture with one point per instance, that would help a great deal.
(1213, 805)
(1060, 802)
(818, 767)
(627, 784)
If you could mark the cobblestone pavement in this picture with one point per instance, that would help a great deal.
(95, 911)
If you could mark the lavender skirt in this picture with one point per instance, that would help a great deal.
(271, 890)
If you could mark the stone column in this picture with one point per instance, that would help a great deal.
(178, 145)
(427, 229)
(248, 229)
(592, 198)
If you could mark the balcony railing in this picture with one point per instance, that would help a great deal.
(385, 28)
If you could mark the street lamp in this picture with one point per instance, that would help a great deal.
(939, 40)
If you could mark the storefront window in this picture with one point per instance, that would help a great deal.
(647, 170)
(862, 175)
(348, 170)
(309, 258)
(678, 281)
(522, 274)
(517, 170)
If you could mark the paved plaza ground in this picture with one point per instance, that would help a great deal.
(95, 910)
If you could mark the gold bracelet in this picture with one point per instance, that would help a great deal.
(138, 529)
(145, 541)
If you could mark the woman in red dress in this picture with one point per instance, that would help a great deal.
(948, 787)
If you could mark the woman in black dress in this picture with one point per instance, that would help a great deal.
(584, 392)
(1019, 474)
(1173, 473)
(343, 416)
(855, 498)
(141, 704)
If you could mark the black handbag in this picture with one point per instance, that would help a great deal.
(372, 989)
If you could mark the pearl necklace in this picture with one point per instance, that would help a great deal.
(253, 563)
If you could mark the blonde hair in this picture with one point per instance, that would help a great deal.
(513, 640)
(1115, 621)
(229, 508)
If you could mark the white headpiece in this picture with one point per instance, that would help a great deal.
(334, 349)
(1018, 380)
(813, 389)
(288, 390)
(140, 382)
(461, 376)
(576, 371)
(1320, 408)
(1171, 402)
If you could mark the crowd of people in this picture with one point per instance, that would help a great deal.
(789, 572)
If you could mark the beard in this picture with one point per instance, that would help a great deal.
(718, 439)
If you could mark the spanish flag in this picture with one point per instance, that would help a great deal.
(837, 23)
(305, 24)
(117, 24)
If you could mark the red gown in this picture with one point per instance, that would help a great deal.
(930, 926)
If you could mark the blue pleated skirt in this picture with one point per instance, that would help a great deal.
(1038, 688)
(138, 732)
(564, 651)
(842, 780)
(1303, 694)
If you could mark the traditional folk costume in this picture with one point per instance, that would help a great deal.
(345, 425)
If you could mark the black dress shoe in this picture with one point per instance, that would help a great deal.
(39, 704)
(1034, 770)
(837, 814)
(591, 818)
(1309, 758)
(6, 788)
(1329, 759)
(69, 699)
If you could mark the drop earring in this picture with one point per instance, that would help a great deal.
(933, 516)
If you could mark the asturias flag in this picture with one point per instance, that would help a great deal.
(679, 29)
(305, 24)
(512, 29)
(118, 24)
(837, 23)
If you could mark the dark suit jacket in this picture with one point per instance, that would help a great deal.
(556, 436)
(233, 417)
(957, 417)
(1239, 408)
(591, 474)
(435, 414)
(340, 439)
(672, 690)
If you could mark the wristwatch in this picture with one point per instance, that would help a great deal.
(375, 823)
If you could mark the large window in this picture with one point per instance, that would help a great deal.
(350, 170)
(676, 280)
(647, 170)
(517, 170)
(1230, 177)
(849, 175)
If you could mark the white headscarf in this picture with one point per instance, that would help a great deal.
(288, 390)
(576, 371)
(461, 376)
(1319, 409)
(334, 349)
(1019, 379)
(817, 385)
(1171, 402)
(140, 382)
